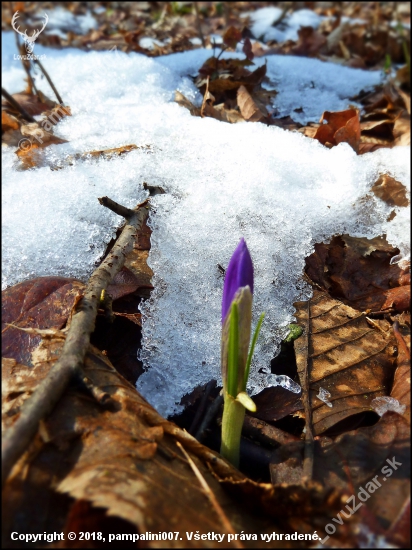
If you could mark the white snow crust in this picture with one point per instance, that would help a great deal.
(381, 405)
(282, 191)
(263, 19)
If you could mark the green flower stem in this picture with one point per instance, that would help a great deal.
(232, 423)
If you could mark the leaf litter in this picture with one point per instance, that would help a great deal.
(332, 455)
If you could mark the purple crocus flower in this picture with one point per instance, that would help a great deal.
(238, 274)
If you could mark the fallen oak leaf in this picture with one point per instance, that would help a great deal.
(207, 97)
(34, 139)
(106, 154)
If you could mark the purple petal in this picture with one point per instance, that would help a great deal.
(239, 273)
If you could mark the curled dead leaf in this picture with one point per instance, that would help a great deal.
(248, 106)
(340, 126)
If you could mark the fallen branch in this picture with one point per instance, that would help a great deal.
(49, 80)
(303, 343)
(69, 365)
(116, 207)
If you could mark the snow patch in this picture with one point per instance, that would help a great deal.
(282, 191)
(287, 29)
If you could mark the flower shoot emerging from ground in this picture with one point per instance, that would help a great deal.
(235, 354)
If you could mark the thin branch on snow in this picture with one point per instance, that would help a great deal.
(69, 365)
(49, 80)
(116, 207)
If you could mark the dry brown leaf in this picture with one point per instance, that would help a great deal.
(184, 102)
(248, 107)
(402, 380)
(402, 130)
(134, 317)
(359, 272)
(341, 126)
(345, 357)
(310, 42)
(122, 458)
(42, 137)
(32, 104)
(390, 191)
(57, 113)
(9, 122)
(232, 36)
(42, 303)
(34, 139)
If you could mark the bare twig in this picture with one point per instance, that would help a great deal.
(116, 207)
(266, 433)
(199, 25)
(302, 344)
(16, 105)
(101, 396)
(49, 80)
(47, 394)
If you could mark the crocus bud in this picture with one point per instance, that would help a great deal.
(239, 274)
(236, 359)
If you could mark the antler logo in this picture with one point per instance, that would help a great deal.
(28, 40)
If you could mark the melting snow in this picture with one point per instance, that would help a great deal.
(263, 19)
(280, 190)
(384, 404)
(324, 395)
